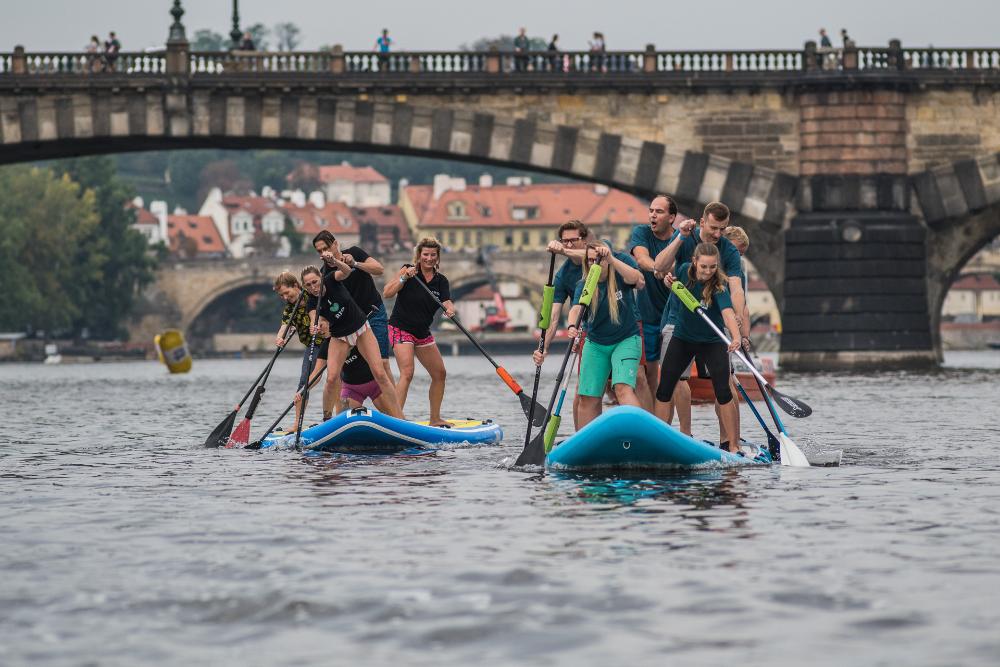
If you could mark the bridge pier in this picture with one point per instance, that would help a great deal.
(856, 292)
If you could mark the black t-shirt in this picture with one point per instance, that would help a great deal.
(414, 308)
(338, 308)
(360, 284)
(356, 369)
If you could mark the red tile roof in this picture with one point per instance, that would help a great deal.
(200, 228)
(976, 281)
(142, 216)
(346, 172)
(335, 217)
(556, 203)
(255, 205)
(386, 219)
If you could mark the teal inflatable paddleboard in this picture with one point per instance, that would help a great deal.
(629, 438)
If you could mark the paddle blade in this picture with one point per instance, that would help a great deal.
(791, 455)
(550, 432)
(534, 453)
(538, 418)
(792, 406)
(220, 436)
(241, 436)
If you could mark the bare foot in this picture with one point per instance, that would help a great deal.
(442, 423)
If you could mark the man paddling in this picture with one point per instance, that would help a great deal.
(354, 268)
(646, 242)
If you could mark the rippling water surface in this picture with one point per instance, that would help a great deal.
(126, 542)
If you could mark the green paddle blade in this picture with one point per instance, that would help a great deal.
(685, 295)
(545, 314)
(551, 429)
(590, 286)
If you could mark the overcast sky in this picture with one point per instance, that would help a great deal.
(66, 25)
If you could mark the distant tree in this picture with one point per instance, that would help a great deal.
(259, 34)
(265, 244)
(113, 290)
(503, 43)
(287, 35)
(187, 246)
(44, 221)
(208, 40)
(225, 175)
(296, 239)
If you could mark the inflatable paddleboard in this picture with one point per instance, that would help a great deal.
(629, 438)
(364, 431)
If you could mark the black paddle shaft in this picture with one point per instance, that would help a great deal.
(541, 349)
(256, 444)
(312, 357)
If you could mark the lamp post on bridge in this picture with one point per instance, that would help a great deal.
(235, 34)
(177, 44)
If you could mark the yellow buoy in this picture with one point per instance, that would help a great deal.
(172, 351)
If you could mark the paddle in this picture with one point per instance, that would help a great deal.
(527, 403)
(544, 317)
(256, 443)
(242, 433)
(773, 445)
(220, 436)
(792, 406)
(555, 421)
(304, 382)
(791, 455)
(534, 451)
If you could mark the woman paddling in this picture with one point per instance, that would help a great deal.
(410, 322)
(348, 328)
(302, 322)
(694, 339)
(358, 384)
(613, 346)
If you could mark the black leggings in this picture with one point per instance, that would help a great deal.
(678, 357)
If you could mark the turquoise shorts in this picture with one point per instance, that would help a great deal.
(619, 361)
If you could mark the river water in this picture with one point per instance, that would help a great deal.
(125, 542)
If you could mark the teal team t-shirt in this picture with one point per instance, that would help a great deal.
(602, 329)
(729, 261)
(690, 327)
(652, 299)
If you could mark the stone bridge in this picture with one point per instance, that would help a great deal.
(865, 178)
(185, 291)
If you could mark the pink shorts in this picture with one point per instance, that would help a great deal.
(397, 336)
(359, 392)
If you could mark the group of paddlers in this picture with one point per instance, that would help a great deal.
(634, 319)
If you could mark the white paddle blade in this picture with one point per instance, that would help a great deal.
(791, 455)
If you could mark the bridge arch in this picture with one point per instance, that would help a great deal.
(47, 125)
(961, 206)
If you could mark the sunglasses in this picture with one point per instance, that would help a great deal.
(573, 240)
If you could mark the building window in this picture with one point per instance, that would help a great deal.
(508, 237)
(484, 210)
(525, 238)
(479, 238)
(456, 211)
(451, 238)
(467, 237)
(524, 212)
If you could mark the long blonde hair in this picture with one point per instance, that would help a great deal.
(612, 289)
(714, 285)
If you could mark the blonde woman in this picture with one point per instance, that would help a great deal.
(410, 322)
(694, 339)
(614, 342)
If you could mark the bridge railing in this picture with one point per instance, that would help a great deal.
(505, 63)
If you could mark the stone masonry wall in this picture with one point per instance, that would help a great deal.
(758, 128)
(952, 125)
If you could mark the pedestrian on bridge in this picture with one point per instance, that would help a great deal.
(383, 44)
(521, 46)
(112, 47)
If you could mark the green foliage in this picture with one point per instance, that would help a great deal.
(44, 221)
(188, 173)
(119, 251)
(259, 34)
(209, 40)
(504, 43)
(288, 36)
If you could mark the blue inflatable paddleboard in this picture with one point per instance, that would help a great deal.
(629, 438)
(364, 431)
